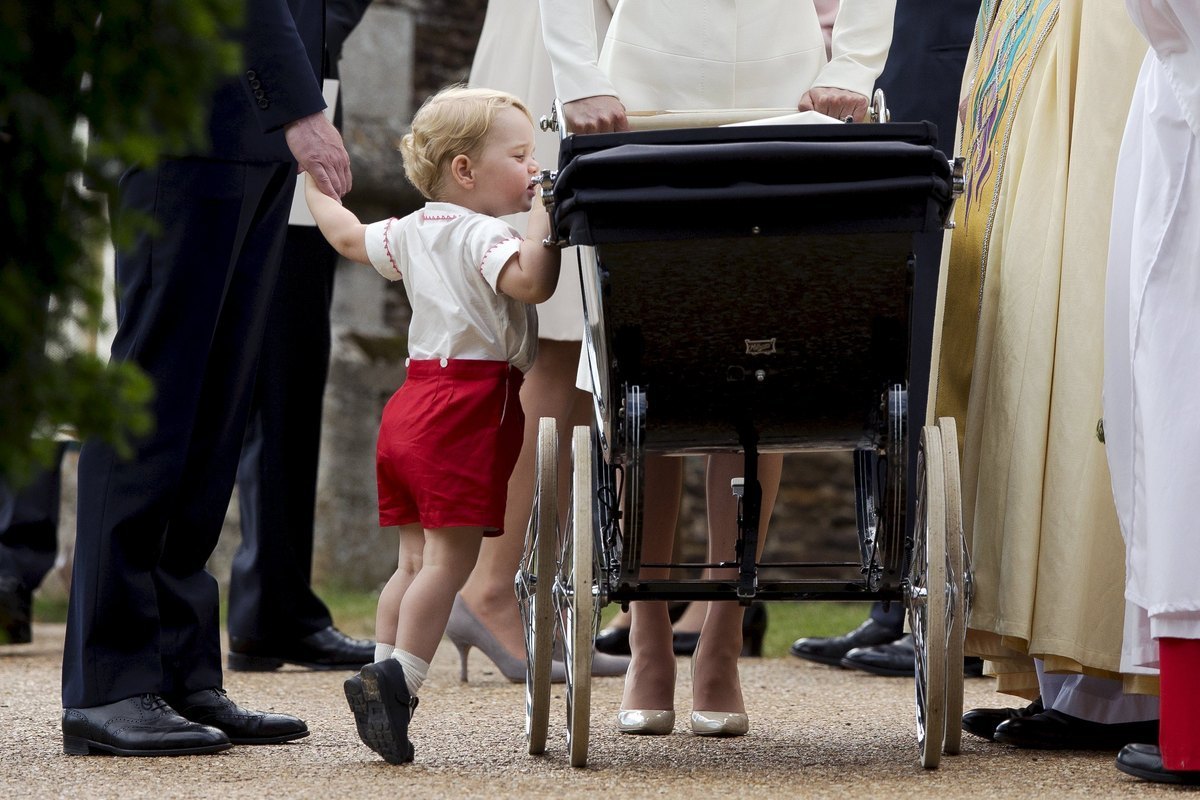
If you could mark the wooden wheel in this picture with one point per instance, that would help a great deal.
(956, 552)
(577, 604)
(534, 595)
(926, 596)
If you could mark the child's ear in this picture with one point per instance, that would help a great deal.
(462, 171)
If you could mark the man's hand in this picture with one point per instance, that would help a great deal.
(318, 148)
(836, 103)
(599, 114)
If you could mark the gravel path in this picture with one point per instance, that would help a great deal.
(815, 732)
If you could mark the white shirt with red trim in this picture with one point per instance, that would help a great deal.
(450, 259)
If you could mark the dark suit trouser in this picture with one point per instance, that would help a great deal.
(270, 594)
(29, 525)
(143, 613)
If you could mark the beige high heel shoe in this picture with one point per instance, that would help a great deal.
(642, 722)
(717, 723)
(720, 723)
(648, 722)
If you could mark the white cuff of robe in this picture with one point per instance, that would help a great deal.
(1094, 699)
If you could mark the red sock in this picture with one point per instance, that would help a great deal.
(1179, 703)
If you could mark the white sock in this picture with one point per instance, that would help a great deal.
(383, 651)
(415, 670)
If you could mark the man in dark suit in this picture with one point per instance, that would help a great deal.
(142, 662)
(28, 546)
(921, 81)
(274, 615)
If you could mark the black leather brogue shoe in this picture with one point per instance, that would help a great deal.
(137, 726)
(242, 726)
(894, 659)
(1053, 730)
(831, 650)
(328, 648)
(982, 722)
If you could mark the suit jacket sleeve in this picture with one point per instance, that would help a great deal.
(278, 78)
(862, 36)
(341, 17)
(573, 30)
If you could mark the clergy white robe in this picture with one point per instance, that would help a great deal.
(1152, 335)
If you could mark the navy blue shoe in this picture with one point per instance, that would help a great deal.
(379, 697)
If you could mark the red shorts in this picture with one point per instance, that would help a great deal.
(448, 442)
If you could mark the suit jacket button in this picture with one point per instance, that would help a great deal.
(251, 74)
(255, 83)
(260, 94)
(263, 103)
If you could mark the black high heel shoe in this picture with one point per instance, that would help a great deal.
(614, 641)
(754, 628)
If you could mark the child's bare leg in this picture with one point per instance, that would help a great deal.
(387, 613)
(449, 554)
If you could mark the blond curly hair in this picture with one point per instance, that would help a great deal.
(455, 121)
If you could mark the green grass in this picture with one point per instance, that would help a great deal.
(354, 612)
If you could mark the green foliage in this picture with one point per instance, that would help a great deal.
(139, 75)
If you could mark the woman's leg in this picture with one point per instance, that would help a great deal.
(715, 683)
(548, 391)
(650, 680)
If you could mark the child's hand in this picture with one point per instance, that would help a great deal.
(310, 184)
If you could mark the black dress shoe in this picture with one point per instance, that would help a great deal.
(325, 649)
(15, 617)
(613, 641)
(1145, 761)
(137, 726)
(831, 650)
(1053, 730)
(754, 629)
(895, 659)
(683, 643)
(242, 726)
(982, 722)
(382, 706)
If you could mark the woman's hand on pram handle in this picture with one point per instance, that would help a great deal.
(601, 113)
(837, 103)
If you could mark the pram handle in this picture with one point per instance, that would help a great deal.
(705, 118)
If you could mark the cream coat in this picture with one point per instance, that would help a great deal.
(511, 57)
(690, 54)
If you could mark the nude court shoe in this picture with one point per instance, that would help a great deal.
(641, 722)
(718, 723)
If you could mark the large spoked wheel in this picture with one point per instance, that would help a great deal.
(957, 608)
(575, 601)
(534, 595)
(926, 597)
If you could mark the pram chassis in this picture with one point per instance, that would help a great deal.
(596, 558)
